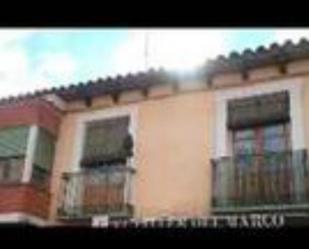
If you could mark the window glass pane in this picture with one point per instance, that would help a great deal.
(274, 144)
(244, 134)
(39, 175)
(16, 169)
(244, 147)
(45, 149)
(43, 157)
(13, 141)
(11, 169)
(274, 130)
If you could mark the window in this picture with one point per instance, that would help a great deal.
(13, 145)
(244, 146)
(13, 141)
(244, 141)
(259, 126)
(43, 157)
(107, 142)
(260, 140)
(11, 169)
(107, 146)
(269, 141)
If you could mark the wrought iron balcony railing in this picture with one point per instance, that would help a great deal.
(273, 180)
(105, 191)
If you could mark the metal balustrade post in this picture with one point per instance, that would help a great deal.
(298, 165)
(223, 169)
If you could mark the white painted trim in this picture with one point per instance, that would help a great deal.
(16, 217)
(293, 86)
(31, 146)
(100, 221)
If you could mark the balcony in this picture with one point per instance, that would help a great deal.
(31, 198)
(28, 130)
(273, 182)
(104, 191)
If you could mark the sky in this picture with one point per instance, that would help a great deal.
(32, 59)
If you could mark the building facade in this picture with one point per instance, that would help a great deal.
(230, 138)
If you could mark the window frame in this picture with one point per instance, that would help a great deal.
(221, 136)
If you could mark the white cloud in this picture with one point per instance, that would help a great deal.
(185, 49)
(294, 34)
(12, 36)
(171, 49)
(17, 75)
(55, 68)
(14, 63)
(129, 55)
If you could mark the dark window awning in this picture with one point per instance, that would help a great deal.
(258, 110)
(106, 142)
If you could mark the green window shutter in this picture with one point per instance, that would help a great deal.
(106, 141)
(13, 141)
(45, 149)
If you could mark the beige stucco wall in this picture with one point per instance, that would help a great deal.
(173, 170)
(63, 158)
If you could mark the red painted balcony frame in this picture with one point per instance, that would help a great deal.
(27, 198)
(29, 112)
